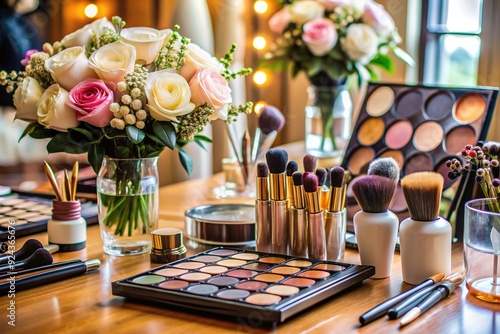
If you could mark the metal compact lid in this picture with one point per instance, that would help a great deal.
(167, 238)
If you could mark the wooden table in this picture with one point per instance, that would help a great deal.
(85, 304)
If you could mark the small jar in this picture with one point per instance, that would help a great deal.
(67, 228)
(167, 245)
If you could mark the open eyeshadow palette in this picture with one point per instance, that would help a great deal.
(30, 213)
(421, 127)
(243, 283)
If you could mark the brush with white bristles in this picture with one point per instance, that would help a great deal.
(385, 166)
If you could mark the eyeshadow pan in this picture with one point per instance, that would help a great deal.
(207, 258)
(263, 299)
(5, 209)
(26, 205)
(360, 159)
(428, 136)
(272, 259)
(39, 207)
(285, 270)
(245, 256)
(231, 263)
(370, 131)
(269, 278)
(257, 266)
(398, 134)
(439, 105)
(171, 272)
(419, 162)
(173, 285)
(233, 294)
(380, 101)
(195, 277)
(202, 289)
(251, 285)
(299, 282)
(241, 273)
(316, 274)
(213, 269)
(299, 263)
(189, 265)
(469, 108)
(409, 103)
(458, 137)
(223, 281)
(149, 279)
(396, 155)
(328, 266)
(222, 252)
(13, 201)
(282, 290)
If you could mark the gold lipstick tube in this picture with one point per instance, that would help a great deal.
(335, 234)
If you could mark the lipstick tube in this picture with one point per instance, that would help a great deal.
(335, 231)
(316, 246)
(279, 213)
(262, 216)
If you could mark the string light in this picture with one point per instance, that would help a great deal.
(91, 11)
(259, 106)
(259, 42)
(260, 6)
(260, 78)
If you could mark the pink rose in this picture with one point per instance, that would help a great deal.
(280, 21)
(320, 36)
(377, 17)
(332, 4)
(27, 56)
(91, 100)
(209, 86)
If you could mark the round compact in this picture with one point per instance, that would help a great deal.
(221, 224)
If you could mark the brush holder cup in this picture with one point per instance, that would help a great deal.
(235, 184)
(482, 249)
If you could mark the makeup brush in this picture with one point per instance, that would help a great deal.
(291, 167)
(336, 185)
(321, 173)
(40, 257)
(375, 227)
(335, 216)
(276, 161)
(270, 122)
(262, 207)
(298, 194)
(40, 268)
(385, 166)
(425, 238)
(309, 162)
(57, 274)
(74, 179)
(298, 218)
(52, 180)
(245, 156)
(3, 247)
(29, 247)
(316, 231)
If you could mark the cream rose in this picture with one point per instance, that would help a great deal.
(330, 5)
(83, 36)
(303, 11)
(112, 61)
(209, 86)
(280, 21)
(377, 17)
(168, 95)
(360, 43)
(320, 36)
(146, 41)
(198, 59)
(52, 111)
(26, 98)
(69, 67)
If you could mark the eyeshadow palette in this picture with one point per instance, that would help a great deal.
(29, 214)
(243, 283)
(421, 127)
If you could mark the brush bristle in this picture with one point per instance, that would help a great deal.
(385, 166)
(297, 178)
(310, 163)
(422, 191)
(321, 174)
(271, 119)
(310, 182)
(291, 168)
(373, 192)
(277, 159)
(337, 177)
(262, 170)
(40, 257)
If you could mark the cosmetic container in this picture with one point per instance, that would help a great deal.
(167, 245)
(262, 216)
(335, 232)
(298, 232)
(279, 214)
(67, 228)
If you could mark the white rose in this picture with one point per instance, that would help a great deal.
(168, 95)
(52, 111)
(83, 36)
(70, 67)
(198, 59)
(26, 98)
(303, 11)
(113, 61)
(360, 43)
(147, 42)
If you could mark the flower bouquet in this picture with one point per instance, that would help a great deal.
(121, 94)
(330, 40)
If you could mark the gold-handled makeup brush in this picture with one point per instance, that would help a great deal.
(336, 186)
(52, 180)
(245, 156)
(67, 186)
(74, 179)
(298, 218)
(291, 168)
(321, 173)
(262, 209)
(309, 162)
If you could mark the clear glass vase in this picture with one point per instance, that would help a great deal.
(127, 198)
(328, 120)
